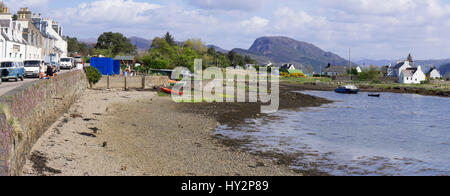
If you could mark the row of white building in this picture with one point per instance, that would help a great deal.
(410, 73)
(30, 37)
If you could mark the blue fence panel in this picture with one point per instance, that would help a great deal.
(116, 67)
(104, 65)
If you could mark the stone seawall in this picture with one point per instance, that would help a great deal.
(26, 112)
(138, 82)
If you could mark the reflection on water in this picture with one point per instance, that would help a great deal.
(397, 134)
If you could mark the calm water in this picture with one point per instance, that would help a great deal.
(397, 134)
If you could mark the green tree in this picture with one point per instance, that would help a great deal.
(373, 73)
(232, 57)
(116, 43)
(155, 61)
(196, 44)
(169, 39)
(249, 60)
(161, 46)
(353, 71)
(14, 17)
(211, 51)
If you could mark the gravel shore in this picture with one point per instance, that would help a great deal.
(132, 133)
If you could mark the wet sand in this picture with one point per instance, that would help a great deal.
(116, 133)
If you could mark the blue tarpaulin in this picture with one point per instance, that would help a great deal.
(106, 66)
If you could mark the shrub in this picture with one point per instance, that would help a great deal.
(284, 74)
(426, 82)
(87, 59)
(298, 75)
(93, 75)
(123, 67)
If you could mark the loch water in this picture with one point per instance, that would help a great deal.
(395, 134)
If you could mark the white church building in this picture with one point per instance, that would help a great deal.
(407, 72)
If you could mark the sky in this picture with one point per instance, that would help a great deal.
(373, 29)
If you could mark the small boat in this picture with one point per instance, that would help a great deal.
(374, 95)
(170, 91)
(349, 89)
(173, 83)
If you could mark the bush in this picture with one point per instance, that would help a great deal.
(284, 74)
(93, 75)
(426, 82)
(87, 59)
(298, 75)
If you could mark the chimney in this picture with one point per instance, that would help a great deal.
(5, 10)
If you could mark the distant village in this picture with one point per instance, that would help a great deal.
(28, 36)
(404, 72)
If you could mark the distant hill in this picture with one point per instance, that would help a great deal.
(374, 62)
(281, 50)
(218, 49)
(141, 43)
(445, 69)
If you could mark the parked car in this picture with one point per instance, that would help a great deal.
(32, 68)
(67, 63)
(12, 70)
(78, 59)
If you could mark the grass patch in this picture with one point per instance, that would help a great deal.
(306, 80)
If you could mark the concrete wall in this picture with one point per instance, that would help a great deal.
(139, 82)
(26, 112)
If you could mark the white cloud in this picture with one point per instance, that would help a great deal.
(17, 4)
(372, 28)
(255, 24)
(246, 5)
(117, 11)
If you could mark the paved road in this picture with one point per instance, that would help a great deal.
(8, 86)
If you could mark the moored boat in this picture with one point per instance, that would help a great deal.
(348, 89)
(374, 95)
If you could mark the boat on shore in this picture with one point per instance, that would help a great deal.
(170, 91)
(374, 95)
(348, 89)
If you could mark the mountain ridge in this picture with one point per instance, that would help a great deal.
(280, 50)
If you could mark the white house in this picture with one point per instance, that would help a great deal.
(55, 30)
(32, 35)
(434, 73)
(12, 44)
(358, 69)
(412, 76)
(287, 67)
(395, 71)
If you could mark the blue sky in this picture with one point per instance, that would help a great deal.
(376, 29)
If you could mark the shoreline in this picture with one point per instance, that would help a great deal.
(371, 88)
(128, 133)
(234, 115)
